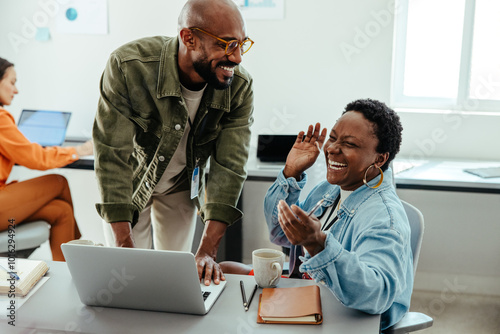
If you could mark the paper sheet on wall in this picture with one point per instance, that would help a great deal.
(262, 9)
(42, 34)
(83, 17)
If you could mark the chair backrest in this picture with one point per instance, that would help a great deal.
(413, 321)
(416, 220)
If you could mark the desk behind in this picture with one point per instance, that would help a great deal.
(432, 174)
(56, 307)
(86, 162)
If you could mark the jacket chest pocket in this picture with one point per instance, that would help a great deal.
(146, 141)
(148, 124)
(210, 127)
(208, 131)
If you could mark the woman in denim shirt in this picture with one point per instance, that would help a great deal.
(357, 242)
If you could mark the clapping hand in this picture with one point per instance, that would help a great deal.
(305, 151)
(300, 228)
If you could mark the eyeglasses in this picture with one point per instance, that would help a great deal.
(232, 45)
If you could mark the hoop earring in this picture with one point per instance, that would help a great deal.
(379, 182)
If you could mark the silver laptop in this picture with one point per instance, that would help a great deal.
(45, 127)
(142, 279)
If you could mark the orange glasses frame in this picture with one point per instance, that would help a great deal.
(240, 44)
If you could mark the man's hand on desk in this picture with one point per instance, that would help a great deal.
(207, 252)
(86, 148)
(123, 234)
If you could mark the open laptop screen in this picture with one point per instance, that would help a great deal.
(47, 128)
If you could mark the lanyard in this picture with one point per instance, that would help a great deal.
(328, 223)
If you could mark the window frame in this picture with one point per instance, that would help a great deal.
(463, 102)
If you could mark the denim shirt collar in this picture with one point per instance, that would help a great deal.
(216, 98)
(360, 195)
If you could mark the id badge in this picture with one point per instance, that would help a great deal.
(195, 181)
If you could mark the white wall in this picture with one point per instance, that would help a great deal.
(460, 248)
(301, 74)
(63, 73)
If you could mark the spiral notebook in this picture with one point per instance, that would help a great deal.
(28, 271)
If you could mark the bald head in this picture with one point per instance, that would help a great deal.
(202, 56)
(206, 13)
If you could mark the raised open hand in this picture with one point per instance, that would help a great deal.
(305, 151)
(300, 228)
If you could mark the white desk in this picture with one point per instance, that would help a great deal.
(56, 308)
(448, 175)
(432, 174)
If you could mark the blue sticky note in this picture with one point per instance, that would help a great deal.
(42, 34)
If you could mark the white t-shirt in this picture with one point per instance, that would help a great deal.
(330, 216)
(178, 161)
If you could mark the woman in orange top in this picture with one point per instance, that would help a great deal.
(45, 198)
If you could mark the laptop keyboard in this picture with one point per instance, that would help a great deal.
(205, 294)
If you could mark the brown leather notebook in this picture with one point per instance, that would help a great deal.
(290, 306)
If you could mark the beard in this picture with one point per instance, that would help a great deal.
(204, 70)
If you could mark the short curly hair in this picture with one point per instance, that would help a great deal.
(386, 125)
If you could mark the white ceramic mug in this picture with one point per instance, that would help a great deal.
(267, 266)
(84, 242)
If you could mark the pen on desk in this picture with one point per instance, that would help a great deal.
(242, 286)
(251, 297)
(12, 274)
(315, 207)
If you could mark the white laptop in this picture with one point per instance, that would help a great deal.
(45, 127)
(142, 279)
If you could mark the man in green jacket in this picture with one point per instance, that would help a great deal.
(167, 105)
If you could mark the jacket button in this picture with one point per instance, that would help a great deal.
(161, 158)
(177, 127)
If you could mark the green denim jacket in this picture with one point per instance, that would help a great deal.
(140, 120)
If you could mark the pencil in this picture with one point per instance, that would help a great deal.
(11, 273)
